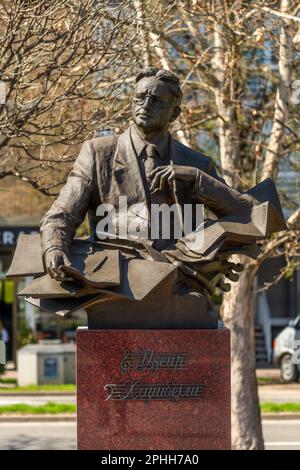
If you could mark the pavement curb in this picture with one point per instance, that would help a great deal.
(37, 394)
(270, 416)
(14, 418)
(71, 417)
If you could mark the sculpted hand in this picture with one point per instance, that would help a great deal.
(165, 175)
(54, 260)
(230, 270)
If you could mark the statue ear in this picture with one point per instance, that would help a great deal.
(176, 112)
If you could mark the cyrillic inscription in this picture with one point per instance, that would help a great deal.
(148, 392)
(146, 359)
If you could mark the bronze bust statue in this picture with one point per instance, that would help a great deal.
(144, 281)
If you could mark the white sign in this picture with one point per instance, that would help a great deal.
(2, 352)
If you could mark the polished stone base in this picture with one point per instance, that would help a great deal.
(153, 389)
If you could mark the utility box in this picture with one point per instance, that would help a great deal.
(48, 362)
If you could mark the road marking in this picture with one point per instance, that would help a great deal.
(276, 422)
(38, 423)
(282, 443)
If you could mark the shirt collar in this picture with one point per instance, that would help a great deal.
(139, 143)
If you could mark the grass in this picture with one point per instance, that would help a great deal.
(57, 408)
(7, 380)
(269, 407)
(266, 380)
(48, 408)
(71, 388)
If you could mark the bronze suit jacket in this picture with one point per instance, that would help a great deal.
(107, 168)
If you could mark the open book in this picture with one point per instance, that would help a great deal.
(91, 266)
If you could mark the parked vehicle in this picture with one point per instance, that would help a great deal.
(284, 347)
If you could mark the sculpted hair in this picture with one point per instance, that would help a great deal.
(165, 76)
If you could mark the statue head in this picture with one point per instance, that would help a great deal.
(156, 99)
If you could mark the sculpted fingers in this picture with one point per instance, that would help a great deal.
(58, 274)
(171, 177)
(54, 261)
(232, 276)
(157, 170)
(224, 286)
(237, 267)
(157, 178)
(167, 174)
(53, 270)
(164, 177)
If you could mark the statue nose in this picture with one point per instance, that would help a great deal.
(147, 103)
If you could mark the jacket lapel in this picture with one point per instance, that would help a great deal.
(176, 154)
(127, 172)
(177, 158)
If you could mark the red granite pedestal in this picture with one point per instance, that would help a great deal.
(153, 389)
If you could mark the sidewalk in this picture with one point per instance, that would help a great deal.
(279, 393)
(71, 417)
(269, 373)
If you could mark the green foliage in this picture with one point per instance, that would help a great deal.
(7, 380)
(25, 333)
(47, 408)
(269, 407)
(291, 269)
(57, 408)
(71, 388)
(84, 229)
(266, 380)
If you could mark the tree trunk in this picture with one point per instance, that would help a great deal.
(238, 316)
(143, 33)
(224, 96)
(237, 306)
(159, 51)
(282, 102)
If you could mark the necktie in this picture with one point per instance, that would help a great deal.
(150, 151)
(152, 160)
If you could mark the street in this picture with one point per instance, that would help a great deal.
(279, 393)
(282, 434)
(36, 399)
(278, 434)
(38, 435)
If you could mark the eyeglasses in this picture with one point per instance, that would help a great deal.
(140, 100)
